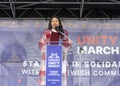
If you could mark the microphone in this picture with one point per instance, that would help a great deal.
(57, 28)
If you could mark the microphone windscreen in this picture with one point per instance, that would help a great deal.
(57, 28)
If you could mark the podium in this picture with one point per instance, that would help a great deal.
(53, 65)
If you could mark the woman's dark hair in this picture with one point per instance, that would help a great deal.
(60, 26)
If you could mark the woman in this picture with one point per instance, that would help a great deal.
(54, 35)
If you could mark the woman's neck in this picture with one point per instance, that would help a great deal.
(54, 30)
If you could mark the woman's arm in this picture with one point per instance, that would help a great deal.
(67, 43)
(44, 39)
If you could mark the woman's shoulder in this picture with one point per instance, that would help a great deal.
(65, 31)
(46, 31)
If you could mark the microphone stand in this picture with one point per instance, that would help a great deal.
(81, 49)
(58, 29)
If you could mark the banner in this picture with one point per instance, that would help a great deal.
(92, 60)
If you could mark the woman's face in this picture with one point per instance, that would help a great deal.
(54, 22)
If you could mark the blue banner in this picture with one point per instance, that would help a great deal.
(53, 68)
